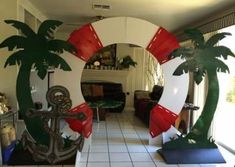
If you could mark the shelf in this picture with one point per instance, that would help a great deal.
(105, 72)
(7, 114)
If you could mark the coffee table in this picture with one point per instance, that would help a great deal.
(103, 104)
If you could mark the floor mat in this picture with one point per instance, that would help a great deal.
(23, 157)
(192, 156)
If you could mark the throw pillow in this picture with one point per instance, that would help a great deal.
(97, 90)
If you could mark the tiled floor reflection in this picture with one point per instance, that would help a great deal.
(122, 141)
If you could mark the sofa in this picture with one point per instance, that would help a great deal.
(144, 102)
(94, 91)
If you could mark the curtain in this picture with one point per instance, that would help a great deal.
(153, 72)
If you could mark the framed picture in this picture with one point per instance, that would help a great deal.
(106, 56)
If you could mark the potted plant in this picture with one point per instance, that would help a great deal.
(126, 62)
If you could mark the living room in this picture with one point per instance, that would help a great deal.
(143, 75)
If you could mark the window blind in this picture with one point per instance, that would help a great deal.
(217, 22)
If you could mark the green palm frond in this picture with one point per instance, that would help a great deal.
(182, 52)
(15, 58)
(47, 27)
(220, 66)
(196, 36)
(203, 56)
(181, 69)
(60, 45)
(57, 62)
(185, 67)
(14, 41)
(198, 75)
(41, 69)
(24, 28)
(219, 51)
(216, 38)
(36, 49)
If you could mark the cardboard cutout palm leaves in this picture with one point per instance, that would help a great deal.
(39, 51)
(202, 60)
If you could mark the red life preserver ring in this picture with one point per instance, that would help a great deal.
(92, 37)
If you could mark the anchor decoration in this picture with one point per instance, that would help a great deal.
(59, 99)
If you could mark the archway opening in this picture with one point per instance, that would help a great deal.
(134, 87)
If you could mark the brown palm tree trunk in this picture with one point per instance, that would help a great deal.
(202, 126)
(34, 125)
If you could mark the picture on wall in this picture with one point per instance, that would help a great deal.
(105, 56)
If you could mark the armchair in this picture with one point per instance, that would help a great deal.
(144, 102)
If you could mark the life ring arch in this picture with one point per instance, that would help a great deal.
(92, 37)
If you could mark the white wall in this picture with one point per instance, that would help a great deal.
(62, 35)
(124, 50)
(136, 77)
(27, 5)
(8, 10)
(12, 9)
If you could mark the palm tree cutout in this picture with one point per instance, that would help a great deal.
(39, 51)
(202, 60)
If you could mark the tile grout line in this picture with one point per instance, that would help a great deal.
(148, 151)
(88, 154)
(104, 145)
(106, 128)
(125, 141)
(141, 140)
(145, 146)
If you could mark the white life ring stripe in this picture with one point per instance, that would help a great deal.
(175, 87)
(125, 30)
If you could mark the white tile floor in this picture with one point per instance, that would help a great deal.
(122, 141)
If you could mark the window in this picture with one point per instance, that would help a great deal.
(224, 121)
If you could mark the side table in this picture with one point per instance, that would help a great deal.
(190, 107)
(3, 117)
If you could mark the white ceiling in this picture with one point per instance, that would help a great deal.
(170, 14)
